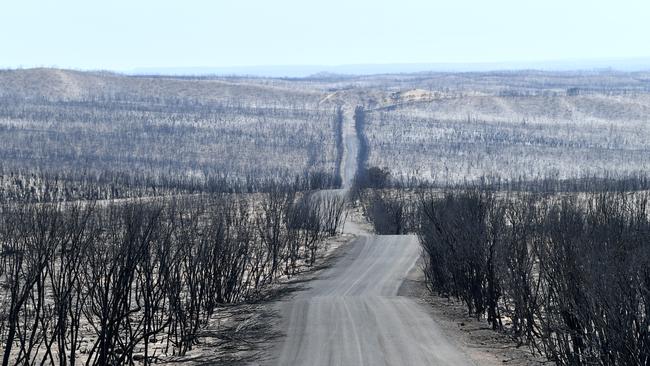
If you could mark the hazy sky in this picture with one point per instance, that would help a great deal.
(126, 34)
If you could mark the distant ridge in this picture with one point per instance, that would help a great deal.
(74, 85)
(300, 71)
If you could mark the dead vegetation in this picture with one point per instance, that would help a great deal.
(145, 281)
(565, 276)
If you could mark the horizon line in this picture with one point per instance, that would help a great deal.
(624, 64)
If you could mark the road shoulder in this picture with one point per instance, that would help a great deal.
(244, 333)
(475, 338)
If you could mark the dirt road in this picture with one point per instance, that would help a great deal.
(350, 149)
(352, 315)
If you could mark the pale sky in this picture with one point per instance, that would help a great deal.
(128, 34)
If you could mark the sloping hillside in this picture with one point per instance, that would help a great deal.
(72, 85)
(465, 138)
(131, 130)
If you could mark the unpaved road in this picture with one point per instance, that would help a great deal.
(350, 149)
(352, 315)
